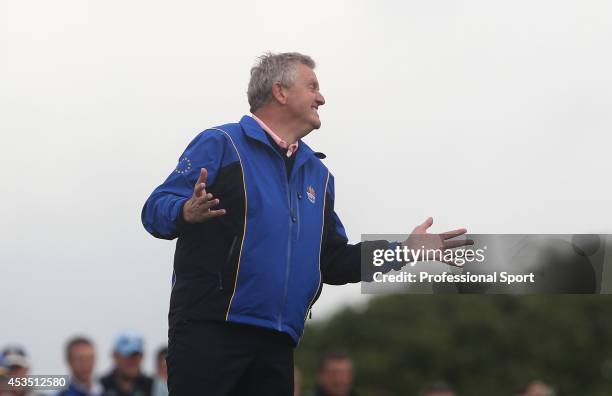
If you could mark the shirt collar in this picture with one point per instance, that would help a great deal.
(291, 148)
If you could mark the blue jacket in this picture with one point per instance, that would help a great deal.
(264, 262)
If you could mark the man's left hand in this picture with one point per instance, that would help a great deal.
(420, 239)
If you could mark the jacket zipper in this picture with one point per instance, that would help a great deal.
(320, 285)
(291, 216)
(309, 310)
(297, 210)
(288, 267)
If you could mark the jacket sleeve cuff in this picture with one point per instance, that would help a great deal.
(182, 225)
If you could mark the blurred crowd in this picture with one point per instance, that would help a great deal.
(334, 377)
(126, 378)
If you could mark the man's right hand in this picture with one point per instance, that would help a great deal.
(198, 208)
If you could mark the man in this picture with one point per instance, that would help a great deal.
(15, 360)
(538, 388)
(160, 381)
(126, 378)
(80, 356)
(297, 381)
(438, 389)
(252, 207)
(335, 375)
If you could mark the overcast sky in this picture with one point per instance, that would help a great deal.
(491, 115)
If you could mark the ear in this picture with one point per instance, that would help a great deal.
(279, 93)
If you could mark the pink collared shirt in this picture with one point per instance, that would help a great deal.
(291, 148)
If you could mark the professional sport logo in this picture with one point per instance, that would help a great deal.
(310, 193)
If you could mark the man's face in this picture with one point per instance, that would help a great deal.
(128, 366)
(162, 368)
(304, 98)
(538, 389)
(82, 358)
(18, 371)
(337, 377)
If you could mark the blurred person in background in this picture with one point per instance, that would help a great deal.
(335, 375)
(160, 381)
(297, 381)
(80, 356)
(126, 378)
(2, 367)
(16, 364)
(538, 388)
(438, 389)
(15, 361)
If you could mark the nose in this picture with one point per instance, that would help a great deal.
(320, 99)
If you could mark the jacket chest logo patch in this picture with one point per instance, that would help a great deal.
(310, 193)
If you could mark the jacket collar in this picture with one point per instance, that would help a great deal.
(253, 130)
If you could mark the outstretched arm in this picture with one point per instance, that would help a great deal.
(341, 261)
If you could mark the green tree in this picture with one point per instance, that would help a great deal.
(481, 344)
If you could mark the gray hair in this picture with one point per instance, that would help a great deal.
(270, 69)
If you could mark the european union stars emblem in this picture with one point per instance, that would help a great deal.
(183, 166)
